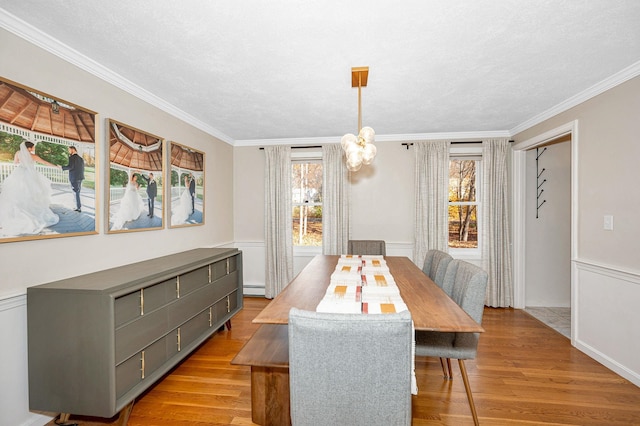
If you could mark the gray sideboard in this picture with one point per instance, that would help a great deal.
(97, 341)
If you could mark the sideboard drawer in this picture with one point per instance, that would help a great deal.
(134, 370)
(225, 305)
(143, 301)
(225, 285)
(158, 295)
(127, 308)
(135, 335)
(193, 328)
(193, 280)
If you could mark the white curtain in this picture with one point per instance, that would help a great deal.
(335, 204)
(432, 197)
(277, 207)
(496, 243)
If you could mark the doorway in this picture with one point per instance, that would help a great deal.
(544, 222)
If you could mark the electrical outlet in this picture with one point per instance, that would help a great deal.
(608, 222)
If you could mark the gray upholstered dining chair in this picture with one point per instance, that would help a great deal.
(435, 265)
(360, 247)
(349, 369)
(468, 284)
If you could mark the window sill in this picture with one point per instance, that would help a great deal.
(306, 251)
(466, 254)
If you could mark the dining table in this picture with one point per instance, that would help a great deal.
(267, 351)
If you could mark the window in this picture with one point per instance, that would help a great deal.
(464, 207)
(306, 184)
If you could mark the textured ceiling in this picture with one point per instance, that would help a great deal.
(279, 69)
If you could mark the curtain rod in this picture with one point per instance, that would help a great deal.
(408, 144)
(300, 147)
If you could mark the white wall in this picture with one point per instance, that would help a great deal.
(382, 207)
(28, 263)
(548, 237)
(606, 264)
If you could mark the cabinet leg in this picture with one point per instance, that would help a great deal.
(64, 417)
(228, 324)
(123, 417)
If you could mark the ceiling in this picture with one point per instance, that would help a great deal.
(281, 69)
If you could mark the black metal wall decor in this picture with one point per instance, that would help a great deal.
(539, 182)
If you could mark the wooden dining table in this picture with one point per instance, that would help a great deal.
(267, 352)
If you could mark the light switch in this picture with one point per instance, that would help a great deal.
(608, 222)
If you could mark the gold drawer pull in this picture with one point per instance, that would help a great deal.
(210, 316)
(228, 304)
(142, 364)
(227, 266)
(209, 272)
(178, 286)
(179, 339)
(142, 301)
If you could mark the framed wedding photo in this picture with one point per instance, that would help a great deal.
(136, 177)
(186, 178)
(48, 166)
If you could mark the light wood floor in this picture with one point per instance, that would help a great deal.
(525, 374)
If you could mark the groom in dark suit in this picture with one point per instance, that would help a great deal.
(152, 192)
(192, 191)
(76, 173)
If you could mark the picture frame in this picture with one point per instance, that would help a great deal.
(49, 166)
(186, 177)
(135, 179)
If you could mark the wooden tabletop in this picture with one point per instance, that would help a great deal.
(430, 307)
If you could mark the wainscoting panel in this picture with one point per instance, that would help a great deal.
(606, 317)
(14, 403)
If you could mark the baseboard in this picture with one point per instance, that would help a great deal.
(611, 364)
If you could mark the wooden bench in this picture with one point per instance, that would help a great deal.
(267, 353)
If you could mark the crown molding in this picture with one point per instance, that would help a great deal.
(37, 37)
(458, 136)
(618, 78)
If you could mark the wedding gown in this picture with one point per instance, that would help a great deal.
(25, 196)
(131, 206)
(181, 210)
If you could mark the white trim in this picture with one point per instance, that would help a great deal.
(610, 271)
(34, 35)
(306, 251)
(618, 78)
(519, 204)
(12, 302)
(518, 208)
(458, 136)
(615, 273)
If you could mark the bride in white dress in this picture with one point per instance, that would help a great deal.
(25, 196)
(131, 205)
(181, 210)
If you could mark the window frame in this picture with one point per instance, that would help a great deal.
(468, 153)
(306, 157)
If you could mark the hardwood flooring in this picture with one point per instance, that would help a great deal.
(525, 374)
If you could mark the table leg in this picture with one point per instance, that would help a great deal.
(270, 396)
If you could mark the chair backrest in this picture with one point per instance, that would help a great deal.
(360, 247)
(435, 265)
(466, 284)
(350, 369)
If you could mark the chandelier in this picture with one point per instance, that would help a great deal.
(359, 149)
